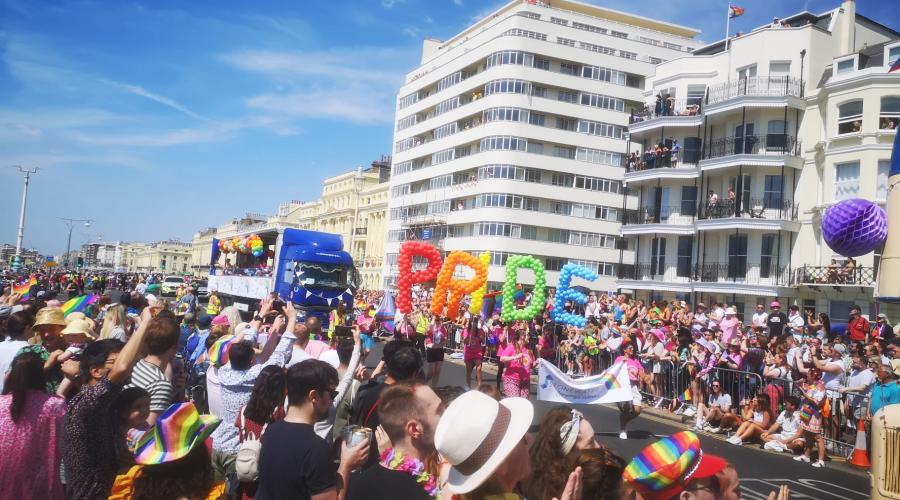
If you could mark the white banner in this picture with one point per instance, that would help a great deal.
(611, 386)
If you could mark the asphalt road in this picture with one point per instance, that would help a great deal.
(760, 471)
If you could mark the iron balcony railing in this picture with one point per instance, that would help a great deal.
(738, 270)
(675, 214)
(667, 107)
(834, 275)
(754, 208)
(769, 144)
(754, 86)
(682, 272)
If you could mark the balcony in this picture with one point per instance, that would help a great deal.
(675, 219)
(656, 276)
(760, 90)
(761, 150)
(667, 113)
(752, 213)
(739, 276)
(834, 276)
(658, 168)
(361, 231)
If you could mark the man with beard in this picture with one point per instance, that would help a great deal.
(409, 415)
(294, 462)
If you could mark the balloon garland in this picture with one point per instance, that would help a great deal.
(564, 293)
(478, 295)
(457, 288)
(252, 244)
(508, 311)
(407, 277)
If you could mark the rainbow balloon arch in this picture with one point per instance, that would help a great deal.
(449, 291)
(247, 245)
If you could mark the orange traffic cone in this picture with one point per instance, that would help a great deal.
(860, 455)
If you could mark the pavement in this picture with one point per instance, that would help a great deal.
(761, 471)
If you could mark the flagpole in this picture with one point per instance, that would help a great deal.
(727, 42)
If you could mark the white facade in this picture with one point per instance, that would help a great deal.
(770, 120)
(511, 136)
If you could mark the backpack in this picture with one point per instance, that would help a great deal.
(246, 463)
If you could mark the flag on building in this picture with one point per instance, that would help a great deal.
(895, 66)
(735, 11)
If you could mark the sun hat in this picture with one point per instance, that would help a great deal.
(79, 326)
(659, 334)
(774, 303)
(477, 433)
(663, 469)
(221, 320)
(72, 316)
(50, 316)
(730, 311)
(895, 366)
(218, 352)
(176, 432)
(882, 315)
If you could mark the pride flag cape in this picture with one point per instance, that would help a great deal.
(611, 386)
(77, 304)
(24, 289)
(385, 312)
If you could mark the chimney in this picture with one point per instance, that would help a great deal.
(847, 25)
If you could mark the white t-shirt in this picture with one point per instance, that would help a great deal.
(789, 424)
(297, 355)
(796, 321)
(214, 391)
(723, 400)
(833, 380)
(331, 357)
(8, 349)
(860, 378)
(760, 319)
(716, 316)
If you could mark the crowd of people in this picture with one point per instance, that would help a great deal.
(146, 399)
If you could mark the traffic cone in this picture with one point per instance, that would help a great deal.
(860, 455)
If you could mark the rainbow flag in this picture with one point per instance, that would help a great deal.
(686, 396)
(24, 289)
(735, 11)
(77, 304)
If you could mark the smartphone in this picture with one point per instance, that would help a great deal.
(343, 331)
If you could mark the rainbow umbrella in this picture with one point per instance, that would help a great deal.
(77, 304)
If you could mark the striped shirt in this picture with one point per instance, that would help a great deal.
(150, 378)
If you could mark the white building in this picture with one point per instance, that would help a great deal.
(511, 136)
(795, 116)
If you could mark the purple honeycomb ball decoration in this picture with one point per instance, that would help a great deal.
(854, 227)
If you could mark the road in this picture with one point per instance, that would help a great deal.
(760, 471)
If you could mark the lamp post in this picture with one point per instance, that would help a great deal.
(802, 56)
(71, 224)
(17, 260)
(358, 185)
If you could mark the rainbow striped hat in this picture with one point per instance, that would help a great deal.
(663, 469)
(176, 432)
(218, 352)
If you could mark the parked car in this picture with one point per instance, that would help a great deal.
(170, 284)
(202, 289)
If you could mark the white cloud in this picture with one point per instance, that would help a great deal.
(428, 19)
(411, 31)
(176, 137)
(165, 101)
(355, 105)
(24, 129)
(458, 2)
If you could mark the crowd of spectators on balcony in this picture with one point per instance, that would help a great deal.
(659, 156)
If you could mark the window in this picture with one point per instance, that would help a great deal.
(569, 68)
(532, 175)
(779, 68)
(845, 66)
(440, 182)
(526, 33)
(850, 117)
(598, 156)
(746, 72)
(597, 48)
(655, 60)
(535, 148)
(565, 123)
(504, 143)
(892, 56)
(530, 15)
(554, 264)
(564, 152)
(445, 130)
(538, 91)
(602, 101)
(691, 151)
(406, 122)
(565, 180)
(776, 136)
(846, 181)
(443, 156)
(540, 63)
(507, 87)
(565, 41)
(536, 119)
(772, 191)
(737, 256)
(505, 114)
(627, 55)
(657, 256)
(889, 118)
(881, 180)
(685, 249)
(839, 310)
(408, 100)
(510, 57)
(673, 46)
(601, 129)
(556, 20)
(501, 172)
(618, 34)
(449, 80)
(689, 200)
(604, 74)
(588, 27)
(766, 256)
(497, 229)
(567, 96)
(444, 106)
(695, 94)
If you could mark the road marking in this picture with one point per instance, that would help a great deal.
(800, 488)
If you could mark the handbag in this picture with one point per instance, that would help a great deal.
(246, 463)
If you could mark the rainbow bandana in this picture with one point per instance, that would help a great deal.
(662, 469)
(174, 435)
(218, 352)
(78, 304)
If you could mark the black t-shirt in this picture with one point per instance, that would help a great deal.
(294, 463)
(776, 323)
(363, 412)
(377, 482)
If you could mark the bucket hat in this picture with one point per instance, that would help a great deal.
(176, 432)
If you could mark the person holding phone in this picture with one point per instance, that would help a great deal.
(435, 339)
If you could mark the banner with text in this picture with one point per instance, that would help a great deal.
(611, 386)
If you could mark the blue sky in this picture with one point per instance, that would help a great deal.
(159, 118)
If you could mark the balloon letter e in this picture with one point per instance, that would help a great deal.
(564, 293)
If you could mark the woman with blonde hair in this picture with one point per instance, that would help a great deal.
(115, 323)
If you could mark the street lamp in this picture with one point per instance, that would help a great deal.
(17, 260)
(71, 224)
(358, 185)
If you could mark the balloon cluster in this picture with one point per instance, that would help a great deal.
(478, 295)
(854, 227)
(564, 293)
(508, 312)
(407, 277)
(457, 288)
(252, 244)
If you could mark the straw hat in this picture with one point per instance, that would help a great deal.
(664, 468)
(176, 432)
(730, 311)
(79, 326)
(50, 316)
(477, 433)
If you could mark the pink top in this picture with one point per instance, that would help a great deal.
(315, 348)
(729, 329)
(634, 368)
(31, 447)
(519, 369)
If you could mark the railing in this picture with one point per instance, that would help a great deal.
(762, 86)
(667, 107)
(655, 215)
(769, 144)
(738, 270)
(833, 275)
(680, 273)
(755, 208)
(361, 231)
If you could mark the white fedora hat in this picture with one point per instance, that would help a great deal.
(730, 311)
(476, 434)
